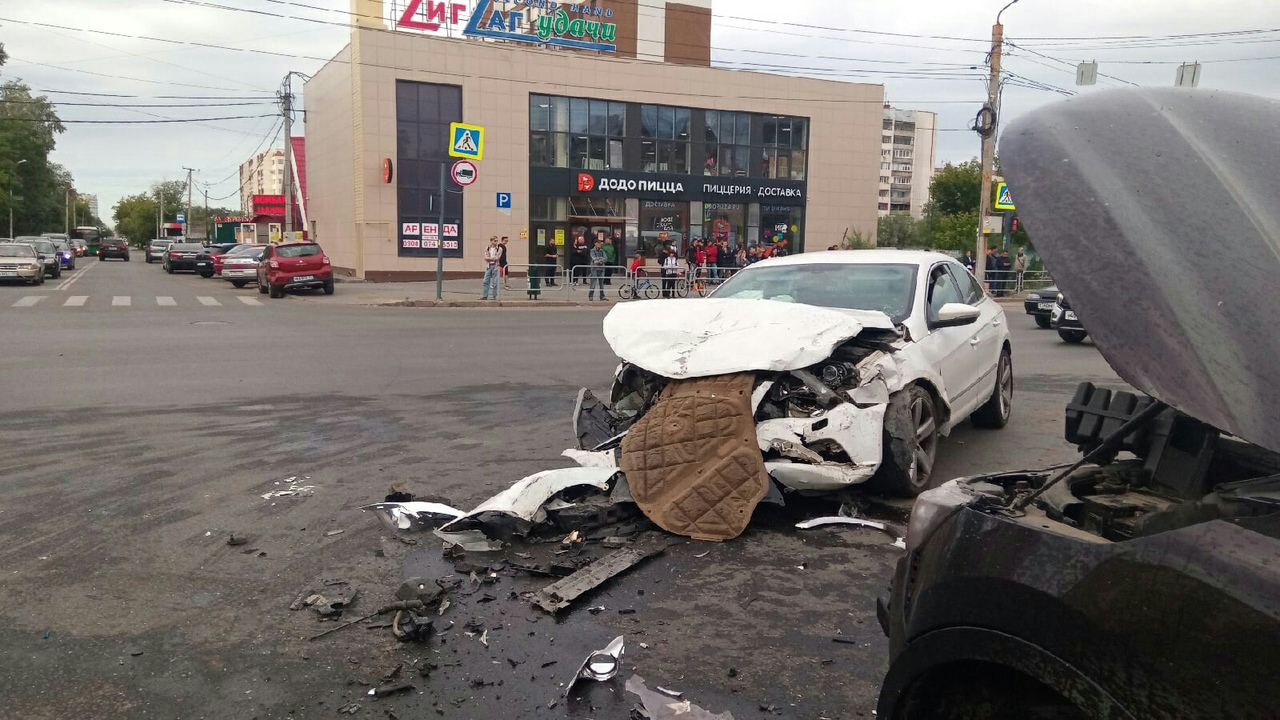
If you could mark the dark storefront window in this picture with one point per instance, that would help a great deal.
(785, 147)
(578, 133)
(661, 222)
(782, 222)
(725, 221)
(728, 144)
(423, 114)
(664, 144)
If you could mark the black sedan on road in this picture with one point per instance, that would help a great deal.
(1039, 304)
(1140, 582)
(204, 266)
(114, 248)
(182, 256)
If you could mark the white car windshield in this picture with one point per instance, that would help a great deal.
(22, 251)
(888, 288)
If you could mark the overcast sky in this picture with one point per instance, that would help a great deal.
(825, 38)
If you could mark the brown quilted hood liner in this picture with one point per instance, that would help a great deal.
(692, 462)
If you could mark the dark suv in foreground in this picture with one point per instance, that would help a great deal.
(113, 248)
(1143, 580)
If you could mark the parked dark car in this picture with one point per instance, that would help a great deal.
(182, 257)
(1039, 304)
(1143, 581)
(48, 253)
(113, 248)
(205, 266)
(156, 250)
(294, 266)
(1066, 322)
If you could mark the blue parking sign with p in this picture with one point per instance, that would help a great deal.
(504, 201)
(466, 141)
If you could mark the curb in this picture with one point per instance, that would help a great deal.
(492, 304)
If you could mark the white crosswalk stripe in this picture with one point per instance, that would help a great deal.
(127, 301)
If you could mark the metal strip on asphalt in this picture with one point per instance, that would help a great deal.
(207, 301)
(75, 301)
(29, 300)
(121, 301)
(165, 301)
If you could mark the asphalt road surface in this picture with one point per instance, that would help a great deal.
(147, 415)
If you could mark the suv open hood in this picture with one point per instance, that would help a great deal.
(690, 338)
(1157, 212)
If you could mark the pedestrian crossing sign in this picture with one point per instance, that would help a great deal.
(466, 141)
(1003, 200)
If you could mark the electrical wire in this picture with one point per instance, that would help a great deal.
(265, 98)
(139, 122)
(112, 76)
(142, 105)
(238, 190)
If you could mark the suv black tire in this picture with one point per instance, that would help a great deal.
(1042, 321)
(1071, 336)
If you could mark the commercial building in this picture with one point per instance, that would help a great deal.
(908, 149)
(599, 117)
(262, 174)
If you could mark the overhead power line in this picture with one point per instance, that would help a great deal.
(139, 122)
(264, 98)
(142, 105)
(112, 75)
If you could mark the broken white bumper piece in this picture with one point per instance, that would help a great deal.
(855, 430)
(414, 515)
(517, 509)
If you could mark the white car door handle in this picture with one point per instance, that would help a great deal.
(975, 341)
(996, 323)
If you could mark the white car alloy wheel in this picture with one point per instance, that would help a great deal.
(925, 422)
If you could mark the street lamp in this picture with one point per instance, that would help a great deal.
(15, 166)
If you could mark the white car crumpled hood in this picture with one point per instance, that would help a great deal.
(690, 338)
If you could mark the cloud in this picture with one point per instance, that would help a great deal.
(929, 73)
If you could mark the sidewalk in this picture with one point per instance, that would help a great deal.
(460, 293)
(466, 293)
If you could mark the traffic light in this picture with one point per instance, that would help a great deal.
(1014, 226)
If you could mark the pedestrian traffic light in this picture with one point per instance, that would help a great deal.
(1014, 226)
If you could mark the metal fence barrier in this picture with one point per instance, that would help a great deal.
(534, 277)
(1009, 282)
(608, 274)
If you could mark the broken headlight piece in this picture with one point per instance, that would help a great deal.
(838, 374)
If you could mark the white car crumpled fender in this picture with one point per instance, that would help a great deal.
(524, 501)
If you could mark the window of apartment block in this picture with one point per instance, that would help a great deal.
(728, 143)
(580, 133)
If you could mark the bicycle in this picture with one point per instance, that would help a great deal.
(641, 284)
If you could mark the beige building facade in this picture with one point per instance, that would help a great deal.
(262, 174)
(577, 142)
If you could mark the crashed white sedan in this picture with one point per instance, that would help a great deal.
(854, 363)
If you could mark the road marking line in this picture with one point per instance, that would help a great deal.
(75, 301)
(250, 301)
(165, 301)
(208, 301)
(29, 300)
(76, 276)
(121, 301)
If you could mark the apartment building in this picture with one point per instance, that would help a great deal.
(92, 201)
(262, 174)
(908, 148)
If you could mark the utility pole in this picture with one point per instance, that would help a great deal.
(286, 101)
(186, 220)
(988, 121)
(208, 224)
(66, 212)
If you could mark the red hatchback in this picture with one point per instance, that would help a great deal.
(293, 266)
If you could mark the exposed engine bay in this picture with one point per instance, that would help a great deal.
(1172, 472)
(818, 428)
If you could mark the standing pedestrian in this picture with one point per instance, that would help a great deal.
(726, 260)
(551, 263)
(1020, 267)
(712, 253)
(597, 259)
(491, 255)
(740, 260)
(581, 256)
(968, 261)
(502, 263)
(610, 257)
(992, 286)
(636, 269)
(1005, 265)
(670, 269)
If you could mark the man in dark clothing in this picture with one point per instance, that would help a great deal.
(968, 261)
(551, 258)
(725, 258)
(992, 286)
(581, 257)
(502, 262)
(1004, 265)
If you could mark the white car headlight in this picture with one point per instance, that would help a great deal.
(1033, 296)
(1059, 297)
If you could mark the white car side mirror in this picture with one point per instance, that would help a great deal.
(953, 314)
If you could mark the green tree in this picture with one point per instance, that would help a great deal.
(135, 218)
(900, 230)
(955, 189)
(954, 232)
(856, 240)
